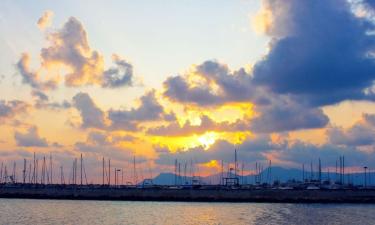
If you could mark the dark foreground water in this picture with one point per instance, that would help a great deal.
(21, 211)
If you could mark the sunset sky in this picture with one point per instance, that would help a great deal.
(287, 81)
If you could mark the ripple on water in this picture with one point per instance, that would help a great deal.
(25, 211)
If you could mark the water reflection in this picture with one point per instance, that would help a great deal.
(16, 211)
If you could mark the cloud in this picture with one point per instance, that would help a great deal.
(262, 148)
(317, 51)
(42, 101)
(100, 144)
(300, 152)
(69, 55)
(40, 95)
(9, 109)
(119, 76)
(284, 114)
(148, 110)
(361, 133)
(33, 78)
(120, 119)
(92, 116)
(207, 124)
(250, 151)
(320, 54)
(69, 46)
(46, 20)
(30, 139)
(214, 85)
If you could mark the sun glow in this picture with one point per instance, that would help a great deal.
(208, 139)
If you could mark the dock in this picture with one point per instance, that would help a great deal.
(189, 194)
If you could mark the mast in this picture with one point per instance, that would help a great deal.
(303, 172)
(122, 176)
(42, 179)
(336, 171)
(343, 169)
(103, 171)
(14, 172)
(109, 172)
(235, 163)
(81, 168)
(256, 172)
(242, 168)
(340, 170)
(175, 172)
(320, 171)
(185, 167)
(222, 172)
(34, 173)
(37, 171)
(62, 175)
(50, 168)
(179, 173)
(29, 173)
(24, 171)
(75, 171)
(1, 173)
(134, 171)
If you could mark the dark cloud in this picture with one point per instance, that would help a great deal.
(370, 4)
(40, 95)
(319, 52)
(355, 136)
(42, 101)
(30, 139)
(91, 114)
(300, 152)
(286, 115)
(8, 109)
(119, 76)
(120, 119)
(55, 105)
(177, 89)
(148, 110)
(277, 112)
(57, 145)
(233, 86)
(360, 134)
(98, 138)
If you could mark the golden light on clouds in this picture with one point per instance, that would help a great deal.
(208, 139)
(46, 20)
(212, 164)
(263, 20)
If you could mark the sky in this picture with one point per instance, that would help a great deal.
(155, 81)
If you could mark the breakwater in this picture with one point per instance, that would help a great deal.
(189, 194)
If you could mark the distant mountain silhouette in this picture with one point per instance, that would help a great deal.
(266, 176)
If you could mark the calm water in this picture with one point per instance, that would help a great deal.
(17, 211)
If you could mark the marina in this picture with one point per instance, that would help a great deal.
(232, 185)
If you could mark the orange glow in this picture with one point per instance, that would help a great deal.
(262, 22)
(208, 139)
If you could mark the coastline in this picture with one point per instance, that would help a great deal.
(207, 194)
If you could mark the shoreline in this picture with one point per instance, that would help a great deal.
(164, 194)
